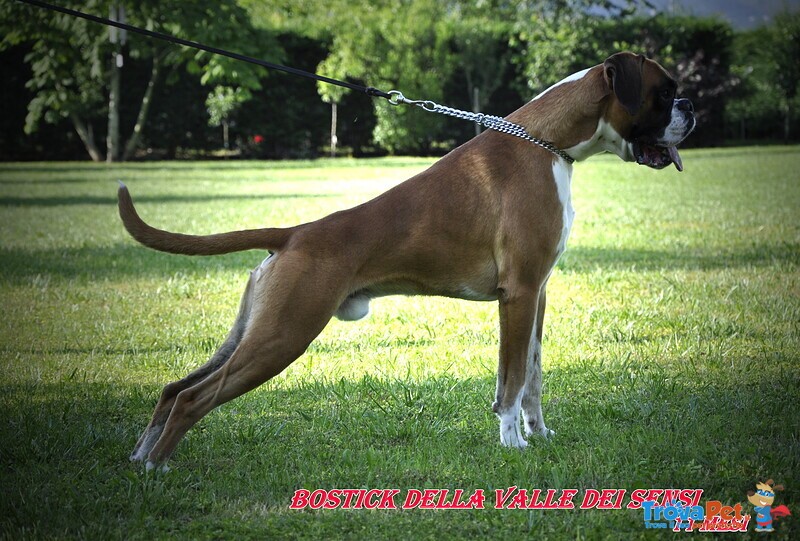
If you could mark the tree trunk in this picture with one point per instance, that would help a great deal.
(476, 107)
(334, 138)
(144, 109)
(87, 137)
(787, 124)
(112, 138)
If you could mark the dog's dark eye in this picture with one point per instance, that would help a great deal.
(666, 94)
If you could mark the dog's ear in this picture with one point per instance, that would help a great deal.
(770, 482)
(751, 492)
(778, 487)
(623, 73)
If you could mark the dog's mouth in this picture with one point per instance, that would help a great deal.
(656, 156)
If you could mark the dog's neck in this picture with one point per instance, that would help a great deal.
(570, 114)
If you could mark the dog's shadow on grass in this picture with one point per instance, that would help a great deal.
(120, 261)
(372, 430)
(127, 259)
(582, 259)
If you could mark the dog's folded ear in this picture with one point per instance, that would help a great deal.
(623, 73)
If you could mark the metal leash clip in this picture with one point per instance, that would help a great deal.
(397, 98)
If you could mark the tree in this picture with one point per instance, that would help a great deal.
(786, 55)
(754, 99)
(483, 57)
(221, 103)
(392, 45)
(74, 78)
(557, 37)
(767, 62)
(417, 46)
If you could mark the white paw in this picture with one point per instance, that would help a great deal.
(539, 431)
(150, 466)
(149, 439)
(510, 435)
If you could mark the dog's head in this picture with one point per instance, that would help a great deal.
(646, 111)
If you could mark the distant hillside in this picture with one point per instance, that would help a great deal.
(741, 13)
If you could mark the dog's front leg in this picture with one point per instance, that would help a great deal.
(517, 317)
(532, 395)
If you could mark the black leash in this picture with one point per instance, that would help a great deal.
(395, 97)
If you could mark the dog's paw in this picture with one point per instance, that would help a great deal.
(139, 453)
(547, 433)
(150, 466)
(146, 443)
(510, 436)
(515, 440)
(539, 431)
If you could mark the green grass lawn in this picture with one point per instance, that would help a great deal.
(671, 357)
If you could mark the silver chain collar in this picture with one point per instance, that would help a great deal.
(488, 121)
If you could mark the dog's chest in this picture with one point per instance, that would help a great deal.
(562, 175)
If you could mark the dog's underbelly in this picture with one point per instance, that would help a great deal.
(478, 285)
(477, 282)
(466, 291)
(356, 305)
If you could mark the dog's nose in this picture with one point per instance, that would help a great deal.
(684, 105)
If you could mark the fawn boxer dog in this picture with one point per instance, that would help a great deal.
(487, 222)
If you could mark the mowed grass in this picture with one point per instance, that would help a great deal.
(671, 357)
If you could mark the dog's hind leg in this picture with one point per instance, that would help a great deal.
(164, 407)
(302, 300)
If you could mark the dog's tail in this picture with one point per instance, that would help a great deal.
(176, 243)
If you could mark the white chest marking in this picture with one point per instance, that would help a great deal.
(604, 139)
(562, 173)
(573, 77)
